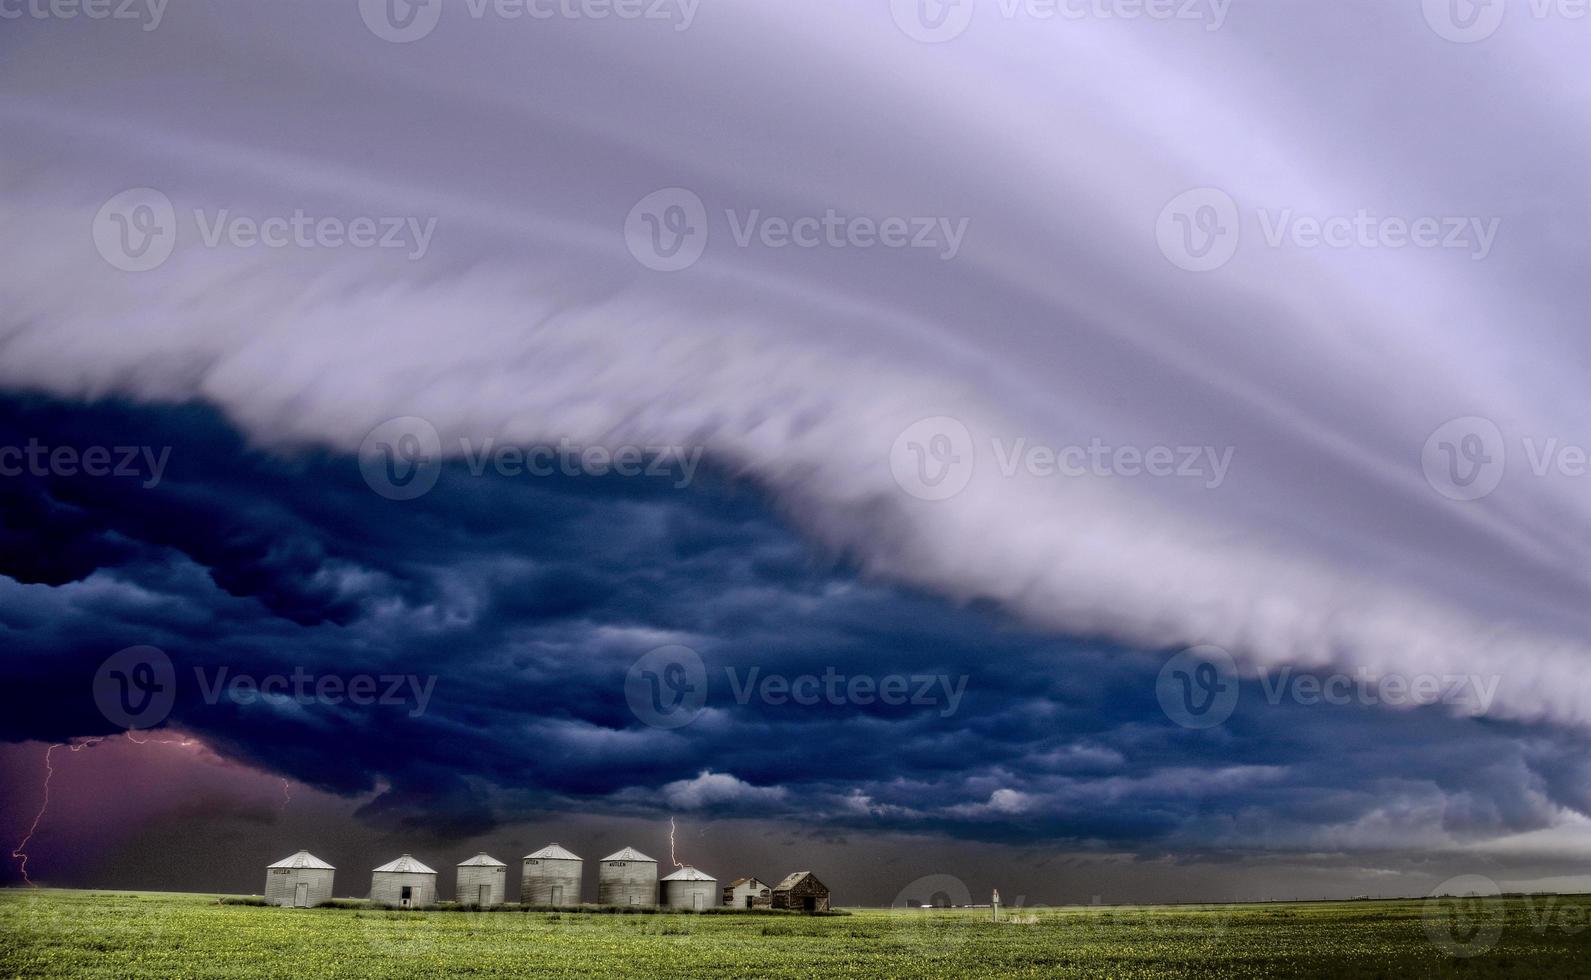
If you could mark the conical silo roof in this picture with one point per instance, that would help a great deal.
(406, 865)
(303, 859)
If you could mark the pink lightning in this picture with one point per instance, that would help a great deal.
(20, 852)
(671, 856)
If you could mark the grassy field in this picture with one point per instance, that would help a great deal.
(51, 933)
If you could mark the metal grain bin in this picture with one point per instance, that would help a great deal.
(482, 881)
(688, 888)
(404, 883)
(300, 881)
(551, 876)
(627, 877)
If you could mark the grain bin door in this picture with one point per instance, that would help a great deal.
(485, 897)
(301, 895)
(557, 894)
(696, 901)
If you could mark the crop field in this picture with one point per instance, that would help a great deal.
(50, 933)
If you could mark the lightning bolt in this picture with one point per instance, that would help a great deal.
(671, 856)
(287, 795)
(20, 852)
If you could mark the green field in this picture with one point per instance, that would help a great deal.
(50, 933)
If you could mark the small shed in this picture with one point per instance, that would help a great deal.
(551, 876)
(301, 881)
(627, 877)
(747, 893)
(689, 888)
(482, 881)
(404, 883)
(801, 892)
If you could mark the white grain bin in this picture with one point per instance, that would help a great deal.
(300, 881)
(551, 876)
(482, 882)
(627, 877)
(688, 888)
(404, 883)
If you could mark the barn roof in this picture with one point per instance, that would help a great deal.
(689, 873)
(482, 860)
(554, 852)
(628, 854)
(747, 881)
(793, 879)
(303, 859)
(405, 865)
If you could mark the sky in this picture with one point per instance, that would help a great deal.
(1105, 451)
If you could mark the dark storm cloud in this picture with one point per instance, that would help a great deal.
(510, 609)
(1061, 319)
